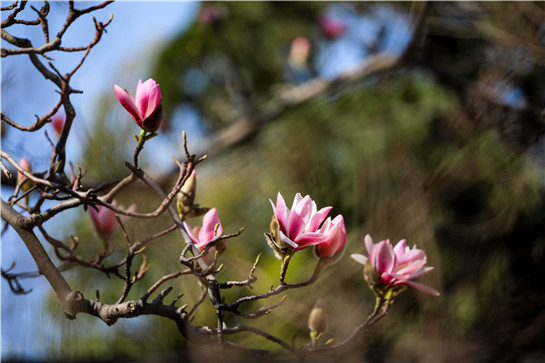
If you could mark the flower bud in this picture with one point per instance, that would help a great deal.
(317, 319)
(26, 166)
(145, 107)
(186, 196)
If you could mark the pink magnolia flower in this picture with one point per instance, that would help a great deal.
(57, 122)
(332, 28)
(336, 238)
(145, 107)
(299, 225)
(104, 219)
(212, 13)
(202, 235)
(299, 52)
(26, 166)
(396, 266)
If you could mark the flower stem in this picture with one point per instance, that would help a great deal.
(140, 145)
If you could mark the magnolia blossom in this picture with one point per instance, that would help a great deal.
(336, 238)
(202, 235)
(26, 166)
(57, 122)
(298, 226)
(104, 219)
(396, 266)
(145, 107)
(299, 52)
(332, 28)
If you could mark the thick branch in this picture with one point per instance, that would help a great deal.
(44, 263)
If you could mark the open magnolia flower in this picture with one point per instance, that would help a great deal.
(395, 266)
(301, 227)
(297, 227)
(201, 236)
(145, 107)
(104, 219)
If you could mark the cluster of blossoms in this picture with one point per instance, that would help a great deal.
(303, 226)
(387, 268)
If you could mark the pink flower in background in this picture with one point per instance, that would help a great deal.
(397, 265)
(26, 166)
(299, 225)
(104, 219)
(202, 235)
(57, 122)
(299, 52)
(332, 28)
(145, 108)
(336, 238)
(212, 13)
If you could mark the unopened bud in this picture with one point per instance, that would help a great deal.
(26, 166)
(317, 319)
(186, 195)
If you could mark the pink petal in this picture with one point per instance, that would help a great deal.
(305, 240)
(296, 200)
(190, 233)
(411, 267)
(209, 223)
(410, 256)
(287, 240)
(303, 208)
(317, 218)
(127, 103)
(295, 225)
(421, 287)
(282, 212)
(336, 240)
(384, 258)
(420, 272)
(401, 248)
(369, 244)
(154, 99)
(141, 97)
(359, 258)
(95, 216)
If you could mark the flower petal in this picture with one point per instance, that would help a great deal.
(190, 233)
(209, 223)
(154, 99)
(317, 219)
(369, 244)
(305, 240)
(384, 258)
(287, 240)
(421, 287)
(141, 97)
(125, 99)
(410, 256)
(359, 258)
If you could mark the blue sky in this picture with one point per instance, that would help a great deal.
(123, 56)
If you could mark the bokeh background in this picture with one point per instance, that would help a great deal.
(444, 148)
